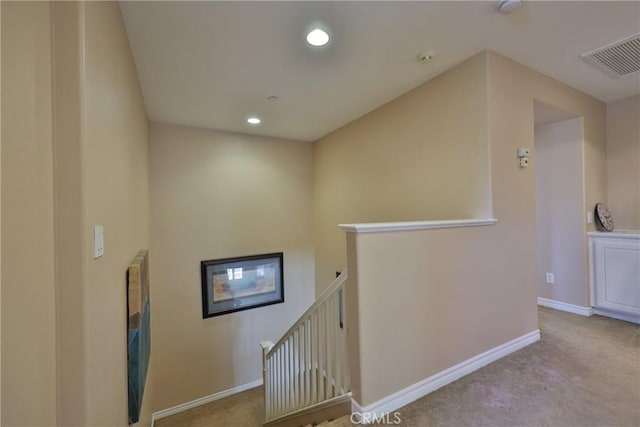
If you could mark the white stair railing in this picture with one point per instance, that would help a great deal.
(308, 365)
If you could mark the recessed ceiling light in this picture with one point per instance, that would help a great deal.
(253, 121)
(317, 37)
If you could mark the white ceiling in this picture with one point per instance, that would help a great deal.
(213, 64)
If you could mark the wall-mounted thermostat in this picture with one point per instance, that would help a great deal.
(523, 155)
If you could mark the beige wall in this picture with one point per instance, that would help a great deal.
(560, 216)
(478, 282)
(217, 195)
(113, 138)
(75, 155)
(436, 297)
(28, 307)
(623, 162)
(421, 156)
(69, 215)
(116, 195)
(512, 91)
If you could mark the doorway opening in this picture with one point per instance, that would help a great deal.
(562, 258)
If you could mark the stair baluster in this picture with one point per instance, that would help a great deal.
(308, 367)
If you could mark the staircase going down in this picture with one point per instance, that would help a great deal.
(305, 373)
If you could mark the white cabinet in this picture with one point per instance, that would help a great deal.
(615, 274)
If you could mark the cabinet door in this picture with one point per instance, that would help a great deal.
(617, 274)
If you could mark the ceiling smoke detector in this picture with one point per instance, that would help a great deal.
(426, 56)
(617, 59)
(508, 6)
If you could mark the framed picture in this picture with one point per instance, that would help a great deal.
(139, 335)
(234, 284)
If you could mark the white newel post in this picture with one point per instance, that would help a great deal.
(266, 346)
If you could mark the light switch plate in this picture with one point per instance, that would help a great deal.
(98, 241)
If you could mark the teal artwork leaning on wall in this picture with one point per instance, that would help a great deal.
(138, 331)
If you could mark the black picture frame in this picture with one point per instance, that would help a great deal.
(241, 283)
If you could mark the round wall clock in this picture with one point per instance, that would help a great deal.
(604, 217)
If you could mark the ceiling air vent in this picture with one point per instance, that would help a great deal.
(617, 59)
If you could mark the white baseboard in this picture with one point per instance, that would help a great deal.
(416, 391)
(563, 306)
(616, 315)
(203, 400)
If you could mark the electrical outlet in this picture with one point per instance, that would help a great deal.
(551, 278)
(524, 162)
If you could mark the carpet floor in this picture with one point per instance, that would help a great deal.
(585, 371)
